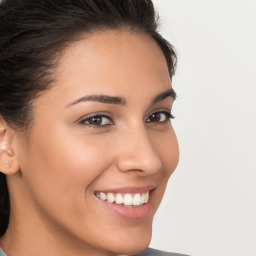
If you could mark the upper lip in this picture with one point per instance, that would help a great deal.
(129, 189)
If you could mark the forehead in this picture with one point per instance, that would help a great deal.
(117, 63)
(121, 56)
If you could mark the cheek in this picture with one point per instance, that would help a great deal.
(167, 148)
(59, 168)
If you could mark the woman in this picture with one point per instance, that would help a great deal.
(87, 146)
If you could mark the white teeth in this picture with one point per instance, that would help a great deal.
(136, 199)
(103, 196)
(128, 199)
(143, 199)
(146, 197)
(119, 199)
(110, 198)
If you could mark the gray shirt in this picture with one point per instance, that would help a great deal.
(154, 252)
(147, 252)
(2, 253)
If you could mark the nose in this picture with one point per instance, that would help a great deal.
(137, 152)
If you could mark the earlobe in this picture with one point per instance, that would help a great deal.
(8, 161)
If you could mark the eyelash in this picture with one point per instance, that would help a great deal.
(86, 121)
(167, 117)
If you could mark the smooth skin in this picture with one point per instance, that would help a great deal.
(70, 155)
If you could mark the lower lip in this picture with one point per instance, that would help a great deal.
(130, 212)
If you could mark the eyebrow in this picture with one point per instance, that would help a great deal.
(169, 93)
(120, 100)
(100, 98)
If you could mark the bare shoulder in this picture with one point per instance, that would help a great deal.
(154, 252)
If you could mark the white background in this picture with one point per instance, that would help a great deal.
(210, 205)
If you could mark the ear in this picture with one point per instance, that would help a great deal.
(8, 160)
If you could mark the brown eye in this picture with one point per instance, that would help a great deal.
(98, 120)
(159, 117)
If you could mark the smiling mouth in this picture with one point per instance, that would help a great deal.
(129, 203)
(125, 199)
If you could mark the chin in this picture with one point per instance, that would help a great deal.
(134, 242)
(132, 247)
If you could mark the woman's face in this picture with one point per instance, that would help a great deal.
(102, 130)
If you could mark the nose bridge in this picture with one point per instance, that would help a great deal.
(138, 152)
